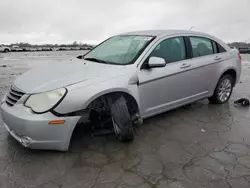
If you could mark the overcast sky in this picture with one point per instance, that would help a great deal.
(91, 21)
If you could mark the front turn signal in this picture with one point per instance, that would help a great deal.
(57, 122)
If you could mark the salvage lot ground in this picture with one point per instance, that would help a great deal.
(199, 145)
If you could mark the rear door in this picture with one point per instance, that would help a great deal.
(206, 58)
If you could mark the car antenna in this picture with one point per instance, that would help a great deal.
(191, 28)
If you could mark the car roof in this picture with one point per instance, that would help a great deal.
(166, 33)
(162, 32)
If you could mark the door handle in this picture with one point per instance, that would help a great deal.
(217, 58)
(184, 65)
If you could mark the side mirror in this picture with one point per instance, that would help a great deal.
(156, 62)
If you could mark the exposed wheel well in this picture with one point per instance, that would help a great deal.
(232, 73)
(100, 106)
(104, 100)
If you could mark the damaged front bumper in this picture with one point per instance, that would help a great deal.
(34, 131)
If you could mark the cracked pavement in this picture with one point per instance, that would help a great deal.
(199, 145)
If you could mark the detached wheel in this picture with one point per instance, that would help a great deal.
(223, 90)
(122, 120)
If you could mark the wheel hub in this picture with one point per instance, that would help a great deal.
(225, 90)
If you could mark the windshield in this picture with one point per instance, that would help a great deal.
(120, 50)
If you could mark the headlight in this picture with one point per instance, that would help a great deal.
(43, 102)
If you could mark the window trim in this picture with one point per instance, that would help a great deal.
(145, 61)
(188, 47)
(215, 47)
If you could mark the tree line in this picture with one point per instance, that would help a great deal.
(239, 44)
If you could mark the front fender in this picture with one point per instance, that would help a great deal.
(79, 98)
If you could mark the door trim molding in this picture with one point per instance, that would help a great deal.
(159, 78)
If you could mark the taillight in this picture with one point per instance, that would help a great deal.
(239, 56)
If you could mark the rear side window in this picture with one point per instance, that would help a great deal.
(172, 50)
(201, 46)
(220, 49)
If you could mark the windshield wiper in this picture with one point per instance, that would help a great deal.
(95, 59)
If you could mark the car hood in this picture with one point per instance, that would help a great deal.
(57, 75)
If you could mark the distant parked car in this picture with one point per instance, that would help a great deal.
(33, 49)
(4, 49)
(46, 48)
(62, 48)
(55, 49)
(16, 49)
(39, 49)
(244, 50)
(67, 48)
(75, 48)
(85, 48)
(26, 49)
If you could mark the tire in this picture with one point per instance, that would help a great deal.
(6, 51)
(218, 98)
(122, 120)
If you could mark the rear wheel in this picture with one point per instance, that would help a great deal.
(122, 120)
(223, 90)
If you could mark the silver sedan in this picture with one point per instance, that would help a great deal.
(123, 80)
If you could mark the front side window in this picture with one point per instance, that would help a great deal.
(172, 50)
(120, 50)
(201, 46)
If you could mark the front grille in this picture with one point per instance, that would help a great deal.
(13, 96)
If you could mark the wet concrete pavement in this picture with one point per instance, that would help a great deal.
(199, 145)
